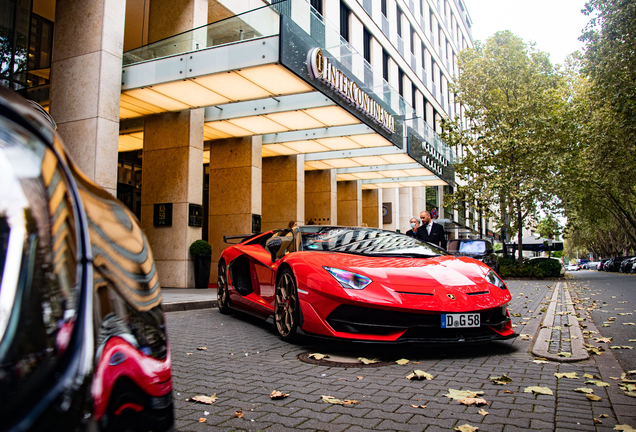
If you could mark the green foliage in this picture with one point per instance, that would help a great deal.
(537, 268)
(200, 247)
(549, 225)
(509, 142)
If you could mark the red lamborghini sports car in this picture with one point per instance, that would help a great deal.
(362, 284)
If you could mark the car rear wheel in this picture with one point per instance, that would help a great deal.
(222, 295)
(286, 306)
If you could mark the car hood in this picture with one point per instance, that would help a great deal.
(420, 283)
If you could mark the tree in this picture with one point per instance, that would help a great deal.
(509, 140)
(549, 226)
(599, 185)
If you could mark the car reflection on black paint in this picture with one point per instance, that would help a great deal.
(83, 343)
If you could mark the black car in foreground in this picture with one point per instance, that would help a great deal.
(83, 342)
(478, 249)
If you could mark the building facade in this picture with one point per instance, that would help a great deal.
(223, 117)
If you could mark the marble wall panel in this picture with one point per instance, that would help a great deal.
(372, 207)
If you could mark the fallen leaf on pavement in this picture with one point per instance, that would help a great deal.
(458, 394)
(501, 380)
(318, 356)
(593, 398)
(629, 323)
(564, 354)
(540, 362)
(238, 414)
(571, 375)
(402, 361)
(418, 406)
(603, 416)
(466, 428)
(201, 348)
(482, 412)
(472, 401)
(360, 377)
(597, 383)
(584, 390)
(588, 376)
(624, 428)
(614, 347)
(525, 336)
(419, 375)
(205, 399)
(538, 390)
(367, 361)
(188, 353)
(202, 420)
(597, 421)
(508, 391)
(603, 339)
(275, 394)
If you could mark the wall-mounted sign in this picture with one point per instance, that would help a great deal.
(387, 213)
(162, 215)
(321, 68)
(195, 215)
(256, 223)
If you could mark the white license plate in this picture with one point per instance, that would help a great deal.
(460, 320)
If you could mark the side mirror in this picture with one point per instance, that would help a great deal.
(273, 246)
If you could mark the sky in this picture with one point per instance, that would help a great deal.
(554, 25)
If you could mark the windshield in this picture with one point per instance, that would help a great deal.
(364, 241)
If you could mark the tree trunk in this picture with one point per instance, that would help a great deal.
(520, 235)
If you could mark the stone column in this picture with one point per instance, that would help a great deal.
(350, 203)
(406, 209)
(372, 207)
(419, 200)
(283, 191)
(172, 173)
(321, 197)
(86, 83)
(170, 17)
(235, 190)
(391, 195)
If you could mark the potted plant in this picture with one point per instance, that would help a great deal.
(202, 253)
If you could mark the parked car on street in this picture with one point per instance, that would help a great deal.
(627, 265)
(478, 249)
(572, 267)
(362, 284)
(601, 264)
(83, 343)
(614, 264)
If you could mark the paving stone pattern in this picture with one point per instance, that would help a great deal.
(560, 338)
(245, 361)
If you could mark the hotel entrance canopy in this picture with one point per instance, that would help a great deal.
(297, 83)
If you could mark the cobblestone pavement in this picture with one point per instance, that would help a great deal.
(244, 361)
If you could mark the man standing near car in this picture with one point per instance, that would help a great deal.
(430, 231)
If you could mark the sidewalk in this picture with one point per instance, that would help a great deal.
(183, 299)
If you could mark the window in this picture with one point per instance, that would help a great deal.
(366, 43)
(317, 4)
(413, 93)
(383, 8)
(399, 21)
(401, 82)
(385, 65)
(345, 12)
(423, 56)
(412, 40)
(433, 64)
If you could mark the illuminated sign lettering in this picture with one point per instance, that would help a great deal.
(321, 68)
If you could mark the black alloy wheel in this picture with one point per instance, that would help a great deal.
(222, 295)
(286, 306)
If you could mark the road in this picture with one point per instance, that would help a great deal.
(244, 361)
(614, 297)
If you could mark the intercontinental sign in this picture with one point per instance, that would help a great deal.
(321, 68)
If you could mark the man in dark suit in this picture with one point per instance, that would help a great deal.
(430, 231)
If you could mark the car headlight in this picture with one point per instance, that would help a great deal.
(495, 280)
(348, 279)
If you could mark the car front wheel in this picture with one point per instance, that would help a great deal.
(286, 306)
(222, 295)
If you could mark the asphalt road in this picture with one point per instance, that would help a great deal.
(613, 297)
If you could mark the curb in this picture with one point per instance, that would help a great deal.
(541, 346)
(189, 305)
